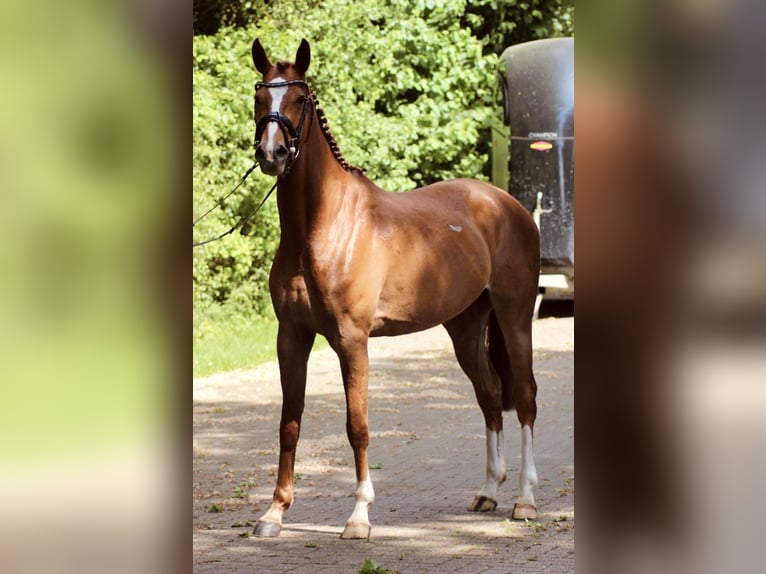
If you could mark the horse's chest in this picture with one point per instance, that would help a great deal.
(322, 283)
(299, 290)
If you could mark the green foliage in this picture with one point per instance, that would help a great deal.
(499, 23)
(407, 87)
(210, 15)
(236, 267)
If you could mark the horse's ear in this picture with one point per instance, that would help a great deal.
(260, 59)
(303, 57)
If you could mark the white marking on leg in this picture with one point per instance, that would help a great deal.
(365, 496)
(273, 514)
(528, 473)
(495, 464)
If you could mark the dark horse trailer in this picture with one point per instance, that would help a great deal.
(533, 149)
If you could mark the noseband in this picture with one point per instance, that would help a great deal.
(291, 134)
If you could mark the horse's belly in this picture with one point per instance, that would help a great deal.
(392, 327)
(424, 301)
(400, 319)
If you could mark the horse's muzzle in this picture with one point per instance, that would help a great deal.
(274, 161)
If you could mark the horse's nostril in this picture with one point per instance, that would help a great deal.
(259, 154)
(280, 152)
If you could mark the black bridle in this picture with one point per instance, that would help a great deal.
(292, 137)
(291, 133)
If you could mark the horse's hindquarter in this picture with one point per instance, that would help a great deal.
(440, 245)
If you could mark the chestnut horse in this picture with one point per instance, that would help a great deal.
(356, 262)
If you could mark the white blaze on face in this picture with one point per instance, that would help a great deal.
(277, 95)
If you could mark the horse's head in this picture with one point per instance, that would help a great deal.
(282, 105)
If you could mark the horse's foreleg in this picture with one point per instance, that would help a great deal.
(293, 348)
(355, 370)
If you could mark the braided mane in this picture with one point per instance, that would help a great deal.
(334, 147)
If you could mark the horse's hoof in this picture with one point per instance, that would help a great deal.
(356, 530)
(482, 504)
(267, 529)
(522, 511)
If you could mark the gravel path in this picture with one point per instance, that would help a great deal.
(427, 454)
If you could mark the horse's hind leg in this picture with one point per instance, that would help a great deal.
(514, 315)
(468, 332)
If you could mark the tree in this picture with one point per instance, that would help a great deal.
(502, 23)
(209, 16)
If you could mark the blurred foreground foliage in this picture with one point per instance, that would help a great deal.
(408, 88)
(89, 168)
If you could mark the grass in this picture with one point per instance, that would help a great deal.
(538, 526)
(226, 340)
(241, 490)
(371, 567)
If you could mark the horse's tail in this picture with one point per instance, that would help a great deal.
(498, 355)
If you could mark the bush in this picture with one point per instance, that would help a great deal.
(407, 86)
(407, 93)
